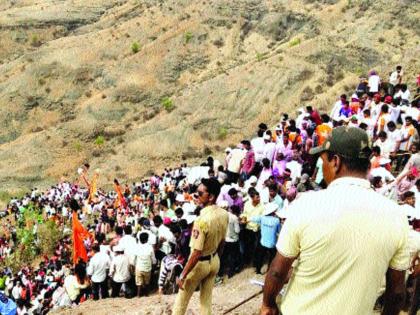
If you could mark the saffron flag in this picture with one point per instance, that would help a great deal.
(92, 187)
(120, 199)
(79, 235)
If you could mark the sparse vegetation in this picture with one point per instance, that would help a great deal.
(167, 104)
(188, 37)
(100, 140)
(222, 133)
(135, 47)
(294, 42)
(35, 41)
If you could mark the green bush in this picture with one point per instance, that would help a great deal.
(222, 133)
(167, 104)
(260, 56)
(135, 47)
(100, 140)
(35, 41)
(49, 235)
(294, 42)
(187, 37)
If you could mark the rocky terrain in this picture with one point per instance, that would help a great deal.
(135, 85)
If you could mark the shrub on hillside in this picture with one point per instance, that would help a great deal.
(167, 104)
(187, 37)
(48, 236)
(100, 140)
(135, 47)
(294, 42)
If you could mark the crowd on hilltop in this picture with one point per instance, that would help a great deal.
(138, 235)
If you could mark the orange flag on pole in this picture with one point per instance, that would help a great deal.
(79, 235)
(120, 199)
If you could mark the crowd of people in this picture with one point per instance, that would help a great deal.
(137, 237)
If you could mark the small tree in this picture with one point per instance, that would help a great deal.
(167, 104)
(135, 47)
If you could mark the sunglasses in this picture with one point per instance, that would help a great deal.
(201, 193)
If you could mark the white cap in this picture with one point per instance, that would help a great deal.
(270, 208)
(180, 198)
(253, 179)
(267, 137)
(228, 149)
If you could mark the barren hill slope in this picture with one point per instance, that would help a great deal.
(131, 85)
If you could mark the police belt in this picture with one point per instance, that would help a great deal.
(208, 257)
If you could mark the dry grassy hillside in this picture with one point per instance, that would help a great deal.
(134, 85)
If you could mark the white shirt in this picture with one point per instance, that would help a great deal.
(386, 147)
(344, 237)
(120, 268)
(295, 168)
(144, 257)
(403, 95)
(233, 229)
(152, 236)
(165, 232)
(98, 267)
(269, 151)
(129, 244)
(373, 83)
(258, 145)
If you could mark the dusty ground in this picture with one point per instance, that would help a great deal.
(225, 296)
(205, 74)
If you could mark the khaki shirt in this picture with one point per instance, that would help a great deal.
(209, 230)
(345, 238)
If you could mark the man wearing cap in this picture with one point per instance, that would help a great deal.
(270, 228)
(207, 241)
(344, 240)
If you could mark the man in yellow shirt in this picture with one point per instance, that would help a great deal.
(250, 234)
(344, 240)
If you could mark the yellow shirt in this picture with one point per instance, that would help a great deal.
(209, 230)
(251, 211)
(345, 238)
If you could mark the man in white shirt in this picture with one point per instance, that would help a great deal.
(374, 82)
(119, 271)
(97, 270)
(384, 144)
(257, 145)
(344, 240)
(143, 262)
(395, 79)
(165, 238)
(234, 164)
(231, 261)
(128, 243)
(269, 148)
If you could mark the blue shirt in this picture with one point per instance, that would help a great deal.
(7, 306)
(270, 228)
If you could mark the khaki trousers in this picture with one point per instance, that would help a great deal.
(203, 274)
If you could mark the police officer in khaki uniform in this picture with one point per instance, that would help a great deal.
(206, 245)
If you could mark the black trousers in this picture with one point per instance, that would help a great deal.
(249, 241)
(230, 261)
(261, 254)
(116, 288)
(232, 177)
(415, 304)
(100, 288)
